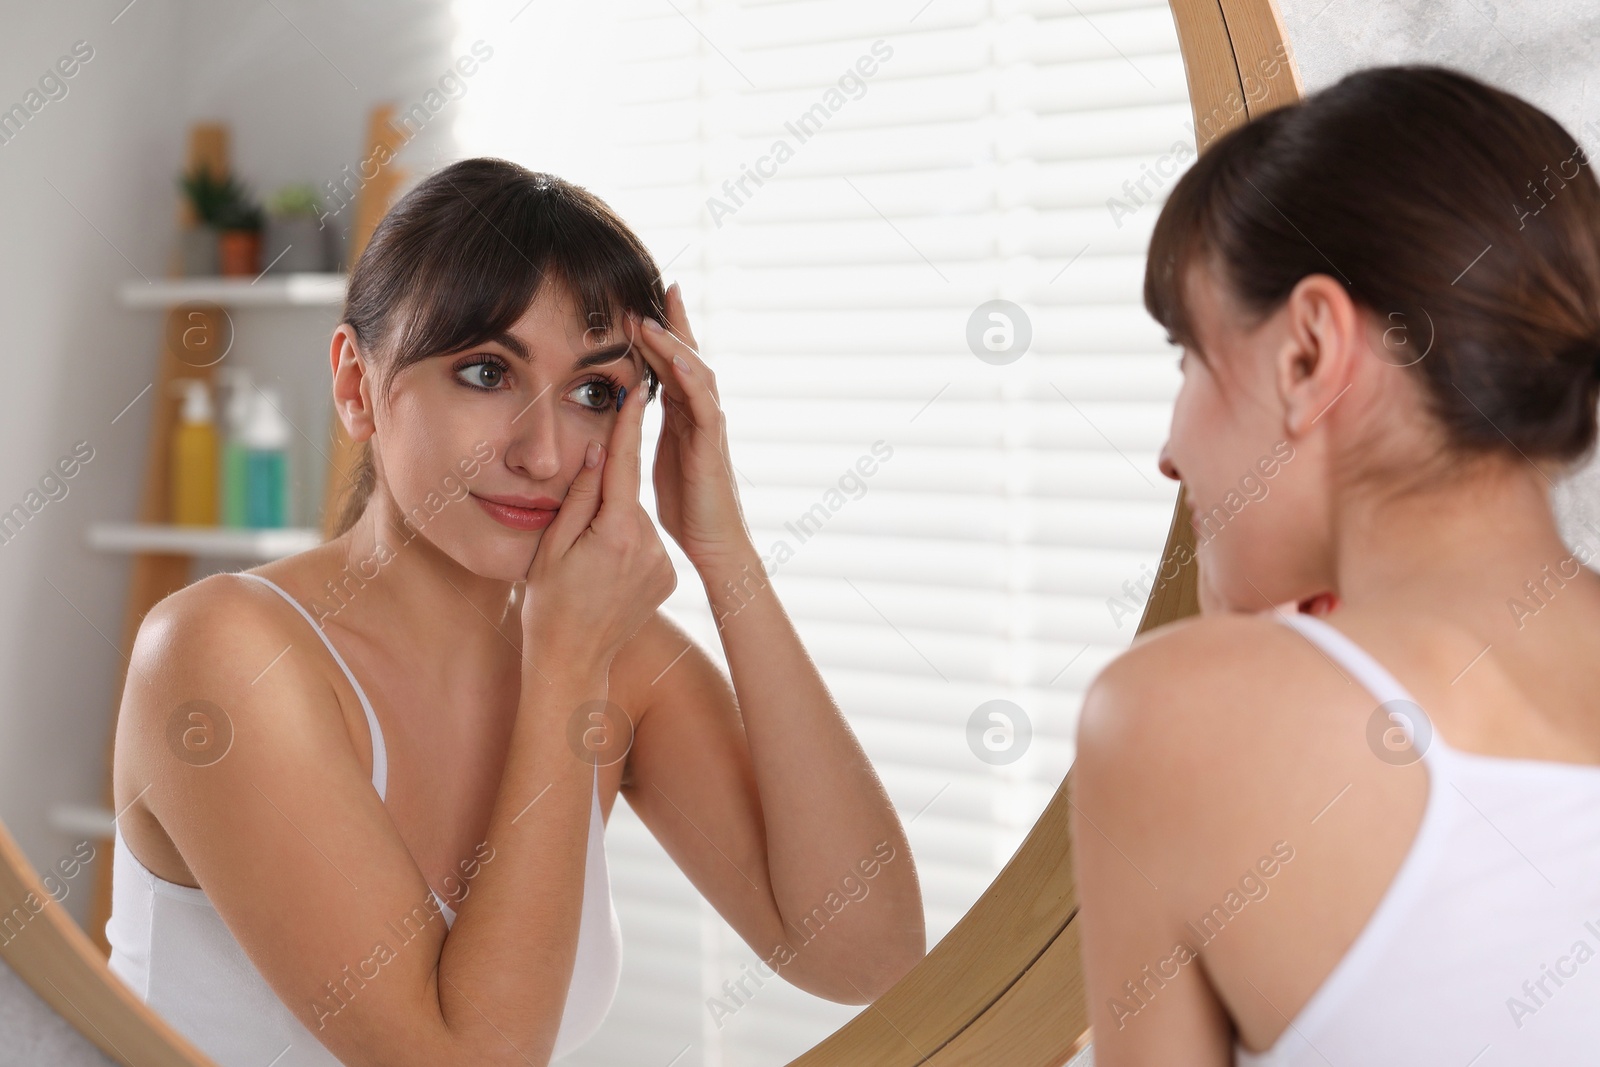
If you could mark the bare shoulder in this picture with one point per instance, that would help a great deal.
(1213, 749)
(665, 676)
(203, 658)
(1191, 686)
(1197, 740)
(217, 634)
(649, 665)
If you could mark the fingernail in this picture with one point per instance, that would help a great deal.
(622, 392)
(591, 458)
(681, 363)
(654, 327)
(678, 287)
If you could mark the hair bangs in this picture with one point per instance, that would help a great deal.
(479, 262)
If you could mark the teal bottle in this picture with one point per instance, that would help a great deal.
(236, 415)
(233, 482)
(265, 483)
(266, 462)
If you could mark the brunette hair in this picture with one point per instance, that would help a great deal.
(461, 257)
(1449, 208)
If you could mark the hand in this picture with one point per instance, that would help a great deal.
(600, 570)
(697, 500)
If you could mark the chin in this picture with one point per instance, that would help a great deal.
(504, 563)
(498, 554)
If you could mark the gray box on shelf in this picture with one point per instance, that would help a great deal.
(296, 244)
(198, 248)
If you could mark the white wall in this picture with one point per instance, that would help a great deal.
(67, 372)
(91, 203)
(85, 183)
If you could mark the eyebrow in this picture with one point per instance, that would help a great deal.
(605, 354)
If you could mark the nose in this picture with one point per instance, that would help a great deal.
(531, 444)
(1164, 462)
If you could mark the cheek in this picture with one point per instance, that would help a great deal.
(425, 444)
(1185, 412)
(1201, 437)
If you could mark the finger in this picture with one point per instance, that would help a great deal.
(640, 340)
(678, 317)
(578, 508)
(689, 383)
(676, 330)
(620, 483)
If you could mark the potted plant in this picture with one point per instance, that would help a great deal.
(206, 193)
(295, 239)
(239, 222)
(227, 237)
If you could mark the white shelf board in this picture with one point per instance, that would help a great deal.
(269, 290)
(83, 820)
(221, 542)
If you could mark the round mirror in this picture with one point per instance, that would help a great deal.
(910, 248)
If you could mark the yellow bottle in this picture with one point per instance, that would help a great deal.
(193, 475)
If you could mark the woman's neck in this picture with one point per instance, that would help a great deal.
(396, 580)
(1463, 550)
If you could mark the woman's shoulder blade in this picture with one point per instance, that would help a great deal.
(1212, 730)
(1190, 679)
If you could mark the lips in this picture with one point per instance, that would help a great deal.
(543, 503)
(519, 513)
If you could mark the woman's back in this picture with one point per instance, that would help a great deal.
(1361, 887)
(1495, 908)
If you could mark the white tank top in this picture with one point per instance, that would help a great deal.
(1485, 948)
(171, 947)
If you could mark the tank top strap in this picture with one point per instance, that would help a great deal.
(1401, 707)
(380, 755)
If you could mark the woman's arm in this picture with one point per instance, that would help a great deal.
(1149, 997)
(827, 864)
(826, 812)
(297, 853)
(761, 793)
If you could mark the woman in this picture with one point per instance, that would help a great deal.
(444, 700)
(1368, 836)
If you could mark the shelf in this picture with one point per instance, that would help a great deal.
(268, 290)
(220, 542)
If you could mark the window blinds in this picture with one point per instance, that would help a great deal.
(839, 186)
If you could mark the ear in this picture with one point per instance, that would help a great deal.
(352, 384)
(1323, 338)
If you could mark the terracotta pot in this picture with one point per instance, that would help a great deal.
(240, 253)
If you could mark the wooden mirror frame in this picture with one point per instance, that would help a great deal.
(1006, 985)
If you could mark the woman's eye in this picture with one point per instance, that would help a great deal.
(487, 374)
(596, 394)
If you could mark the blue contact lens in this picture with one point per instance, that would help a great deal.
(622, 391)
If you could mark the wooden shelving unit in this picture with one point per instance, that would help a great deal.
(194, 326)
